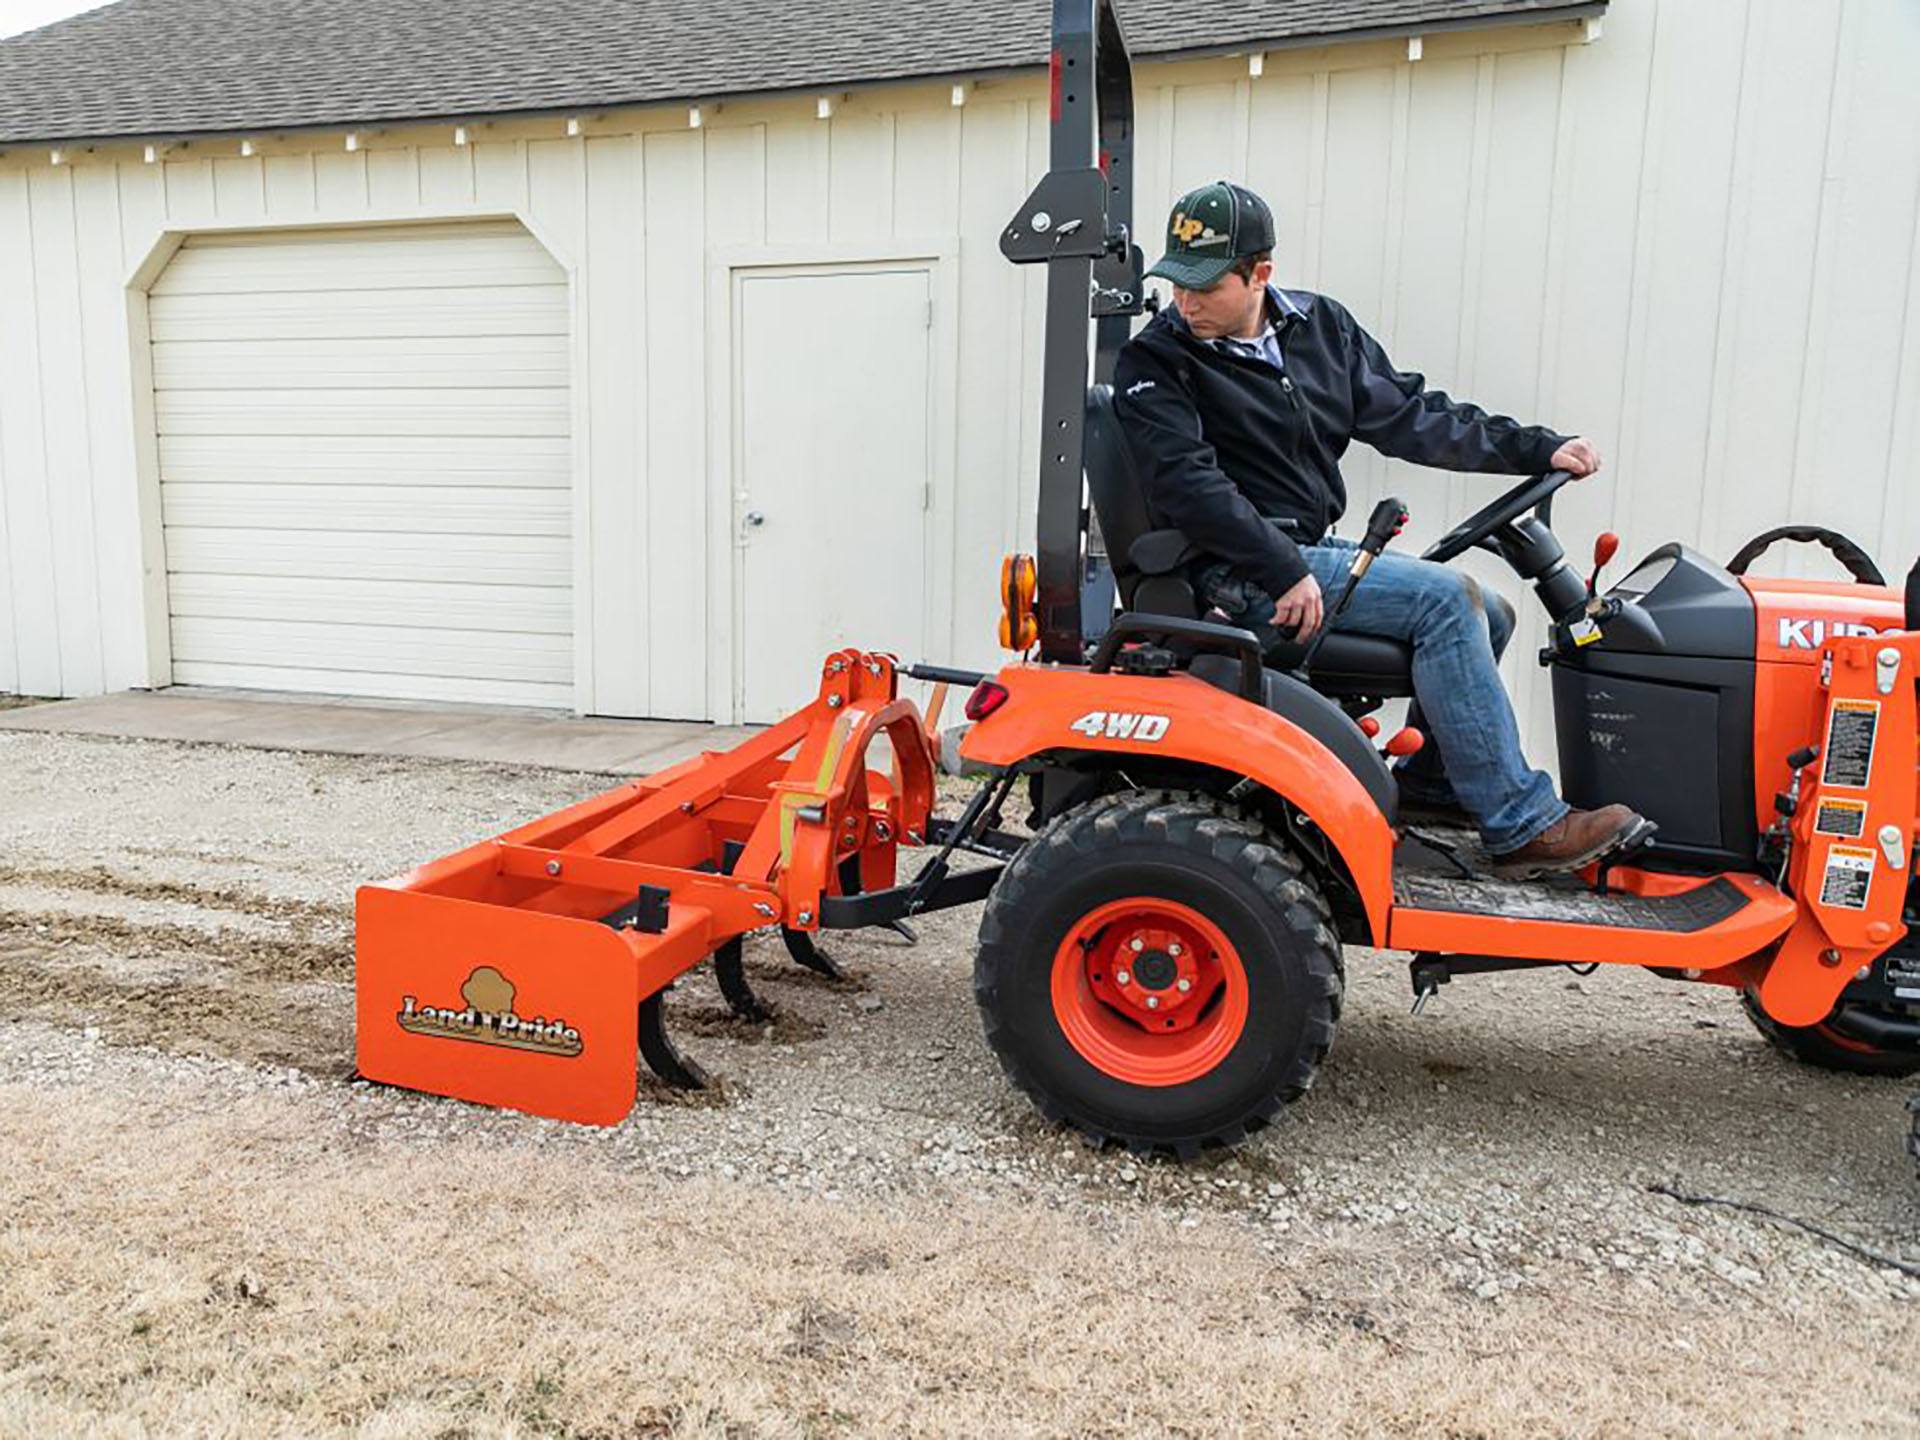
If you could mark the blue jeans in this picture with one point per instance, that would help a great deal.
(1472, 756)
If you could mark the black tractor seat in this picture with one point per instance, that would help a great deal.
(1150, 566)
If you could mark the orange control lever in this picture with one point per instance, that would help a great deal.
(1406, 742)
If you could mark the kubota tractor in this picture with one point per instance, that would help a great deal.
(1160, 959)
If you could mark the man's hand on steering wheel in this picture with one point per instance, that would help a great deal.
(1578, 457)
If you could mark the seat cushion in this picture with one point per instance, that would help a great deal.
(1352, 665)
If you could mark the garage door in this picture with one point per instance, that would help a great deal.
(363, 441)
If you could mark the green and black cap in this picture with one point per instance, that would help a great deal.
(1209, 229)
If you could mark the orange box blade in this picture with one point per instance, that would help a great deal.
(505, 1007)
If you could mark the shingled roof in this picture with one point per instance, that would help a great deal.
(169, 68)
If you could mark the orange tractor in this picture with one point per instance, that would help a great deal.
(1160, 958)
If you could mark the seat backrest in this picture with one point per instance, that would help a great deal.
(1117, 483)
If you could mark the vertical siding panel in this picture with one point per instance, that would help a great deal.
(860, 175)
(446, 176)
(926, 172)
(1280, 127)
(1153, 158)
(1313, 221)
(289, 181)
(735, 184)
(142, 194)
(1516, 242)
(190, 192)
(1436, 208)
(677, 600)
(993, 182)
(340, 182)
(1874, 187)
(557, 202)
(1203, 128)
(240, 187)
(557, 194)
(1686, 210)
(63, 408)
(12, 473)
(1433, 252)
(1360, 147)
(143, 210)
(616, 405)
(500, 174)
(1760, 358)
(393, 180)
(109, 391)
(9, 641)
(797, 180)
(1608, 93)
(30, 533)
(1899, 481)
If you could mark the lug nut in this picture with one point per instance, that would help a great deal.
(1184, 985)
(1136, 944)
(1123, 977)
(1153, 1002)
(1174, 951)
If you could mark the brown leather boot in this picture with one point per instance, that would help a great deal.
(1580, 838)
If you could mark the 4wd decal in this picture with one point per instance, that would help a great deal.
(1811, 634)
(1119, 725)
(489, 1019)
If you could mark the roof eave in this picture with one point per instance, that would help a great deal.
(1559, 14)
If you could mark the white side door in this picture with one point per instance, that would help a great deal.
(833, 474)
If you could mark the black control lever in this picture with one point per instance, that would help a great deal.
(1388, 519)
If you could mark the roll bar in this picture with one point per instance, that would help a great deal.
(1078, 222)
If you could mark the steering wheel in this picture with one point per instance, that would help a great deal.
(1479, 528)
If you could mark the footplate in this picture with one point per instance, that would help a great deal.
(1446, 902)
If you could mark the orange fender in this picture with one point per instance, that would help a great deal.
(1177, 717)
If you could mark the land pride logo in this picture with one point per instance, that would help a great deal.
(488, 1018)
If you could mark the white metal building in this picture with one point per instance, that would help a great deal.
(637, 407)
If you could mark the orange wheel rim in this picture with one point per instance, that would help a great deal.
(1149, 991)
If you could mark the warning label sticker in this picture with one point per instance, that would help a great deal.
(1848, 879)
(1846, 818)
(1850, 734)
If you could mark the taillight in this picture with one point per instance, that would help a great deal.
(987, 697)
(1053, 84)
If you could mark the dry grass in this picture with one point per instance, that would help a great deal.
(209, 1261)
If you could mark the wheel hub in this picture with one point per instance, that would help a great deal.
(1149, 990)
(1157, 972)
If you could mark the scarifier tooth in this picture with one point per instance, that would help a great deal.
(663, 1057)
(800, 945)
(734, 987)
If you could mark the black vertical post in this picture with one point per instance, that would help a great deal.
(1075, 222)
(1059, 531)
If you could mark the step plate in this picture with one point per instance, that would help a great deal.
(1424, 878)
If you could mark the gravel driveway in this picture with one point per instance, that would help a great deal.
(210, 1226)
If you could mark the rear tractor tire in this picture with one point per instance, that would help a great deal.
(1154, 969)
(1828, 1048)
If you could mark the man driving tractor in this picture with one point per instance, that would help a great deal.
(1240, 398)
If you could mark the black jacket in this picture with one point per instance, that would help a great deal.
(1235, 450)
